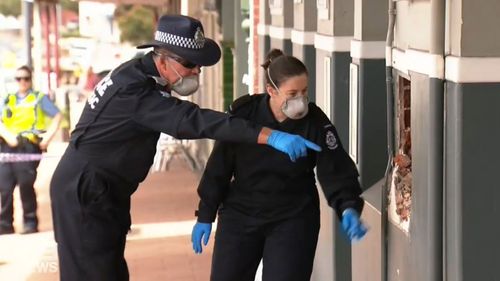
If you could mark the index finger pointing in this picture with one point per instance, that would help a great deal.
(312, 145)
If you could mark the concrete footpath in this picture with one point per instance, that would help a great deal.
(158, 246)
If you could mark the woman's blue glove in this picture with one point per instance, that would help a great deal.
(293, 145)
(200, 230)
(352, 225)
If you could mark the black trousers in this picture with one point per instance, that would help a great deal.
(22, 174)
(91, 214)
(286, 247)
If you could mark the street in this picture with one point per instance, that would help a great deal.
(158, 246)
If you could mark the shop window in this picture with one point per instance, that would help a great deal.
(323, 7)
(276, 7)
(353, 112)
(327, 62)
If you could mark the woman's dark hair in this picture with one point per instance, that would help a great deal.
(279, 67)
(27, 69)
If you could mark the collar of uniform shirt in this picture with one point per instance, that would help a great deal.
(149, 65)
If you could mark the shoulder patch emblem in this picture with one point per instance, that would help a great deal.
(331, 140)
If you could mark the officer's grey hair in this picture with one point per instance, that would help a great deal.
(162, 53)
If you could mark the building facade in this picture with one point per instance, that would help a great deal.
(412, 87)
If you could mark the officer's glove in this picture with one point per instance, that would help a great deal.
(352, 225)
(200, 230)
(293, 145)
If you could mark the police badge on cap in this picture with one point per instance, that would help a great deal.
(184, 36)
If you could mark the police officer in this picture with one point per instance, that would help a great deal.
(268, 206)
(23, 119)
(113, 145)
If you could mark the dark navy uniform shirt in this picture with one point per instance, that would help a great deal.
(258, 182)
(121, 122)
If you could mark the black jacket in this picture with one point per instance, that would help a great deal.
(258, 182)
(120, 124)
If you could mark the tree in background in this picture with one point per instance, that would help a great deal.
(70, 5)
(10, 7)
(13, 7)
(136, 23)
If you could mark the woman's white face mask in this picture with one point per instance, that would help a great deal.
(185, 86)
(296, 107)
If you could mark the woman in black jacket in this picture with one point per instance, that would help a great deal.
(269, 207)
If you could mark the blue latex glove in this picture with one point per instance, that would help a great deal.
(293, 145)
(200, 230)
(352, 225)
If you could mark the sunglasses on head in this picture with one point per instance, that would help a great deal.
(27, 78)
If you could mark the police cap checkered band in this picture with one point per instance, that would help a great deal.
(183, 36)
(176, 40)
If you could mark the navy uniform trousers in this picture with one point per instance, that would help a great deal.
(286, 247)
(22, 174)
(91, 213)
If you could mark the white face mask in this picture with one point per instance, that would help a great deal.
(296, 108)
(293, 108)
(185, 86)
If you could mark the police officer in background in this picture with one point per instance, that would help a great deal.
(22, 128)
(113, 145)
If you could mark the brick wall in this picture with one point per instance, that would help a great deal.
(255, 51)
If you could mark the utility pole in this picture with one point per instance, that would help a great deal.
(28, 23)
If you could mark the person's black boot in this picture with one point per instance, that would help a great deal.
(28, 229)
(30, 224)
(6, 230)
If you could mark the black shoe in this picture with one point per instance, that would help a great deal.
(29, 230)
(6, 230)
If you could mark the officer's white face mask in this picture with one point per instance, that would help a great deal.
(185, 86)
(294, 108)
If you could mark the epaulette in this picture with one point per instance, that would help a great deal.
(318, 116)
(315, 111)
(242, 102)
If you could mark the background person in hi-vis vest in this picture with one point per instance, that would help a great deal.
(23, 130)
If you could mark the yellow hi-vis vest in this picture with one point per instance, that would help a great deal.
(26, 118)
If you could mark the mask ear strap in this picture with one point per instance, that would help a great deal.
(271, 79)
(173, 68)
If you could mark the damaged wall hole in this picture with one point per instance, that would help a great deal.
(402, 174)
